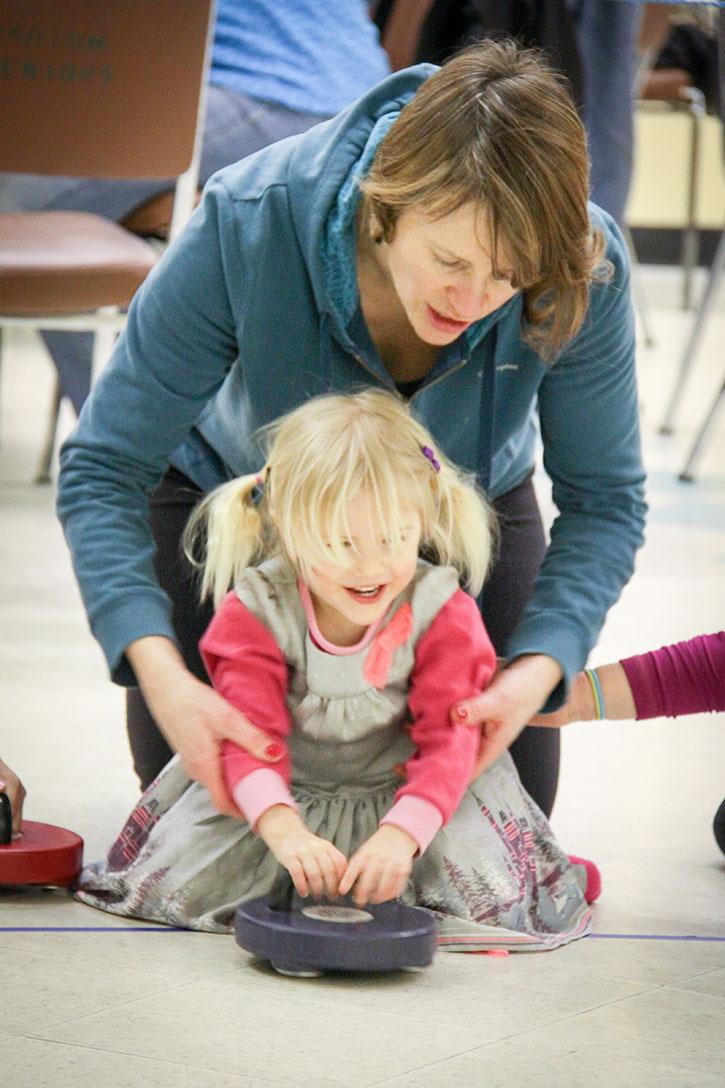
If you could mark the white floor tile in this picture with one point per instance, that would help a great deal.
(527, 1060)
(177, 956)
(666, 1026)
(39, 1064)
(48, 990)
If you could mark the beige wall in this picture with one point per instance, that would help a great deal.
(659, 195)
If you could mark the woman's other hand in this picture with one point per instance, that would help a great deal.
(379, 870)
(193, 717)
(14, 788)
(508, 704)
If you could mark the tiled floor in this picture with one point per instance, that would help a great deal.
(126, 1008)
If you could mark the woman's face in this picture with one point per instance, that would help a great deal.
(442, 272)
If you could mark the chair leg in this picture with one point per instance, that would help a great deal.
(638, 293)
(42, 476)
(1, 372)
(690, 255)
(687, 474)
(103, 342)
(693, 344)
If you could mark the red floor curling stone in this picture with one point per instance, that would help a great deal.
(40, 854)
(304, 938)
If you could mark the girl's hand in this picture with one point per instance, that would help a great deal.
(508, 704)
(11, 784)
(379, 870)
(193, 717)
(314, 864)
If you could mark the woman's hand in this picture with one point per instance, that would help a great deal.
(617, 699)
(314, 864)
(193, 717)
(509, 703)
(379, 870)
(578, 708)
(14, 788)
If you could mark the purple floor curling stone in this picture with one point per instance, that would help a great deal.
(304, 938)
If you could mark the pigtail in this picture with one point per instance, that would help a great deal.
(465, 532)
(225, 534)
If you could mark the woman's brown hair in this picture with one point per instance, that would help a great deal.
(497, 128)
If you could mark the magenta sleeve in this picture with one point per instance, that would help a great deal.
(685, 678)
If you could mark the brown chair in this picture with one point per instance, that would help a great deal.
(101, 90)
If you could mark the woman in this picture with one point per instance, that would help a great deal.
(434, 237)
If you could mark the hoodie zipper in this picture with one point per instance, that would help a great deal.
(485, 447)
(461, 363)
(441, 377)
(361, 362)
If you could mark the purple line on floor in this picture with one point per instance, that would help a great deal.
(180, 929)
(94, 929)
(651, 937)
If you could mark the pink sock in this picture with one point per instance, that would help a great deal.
(593, 887)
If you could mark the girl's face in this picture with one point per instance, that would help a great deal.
(442, 272)
(348, 599)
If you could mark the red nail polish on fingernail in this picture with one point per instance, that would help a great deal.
(461, 713)
(274, 751)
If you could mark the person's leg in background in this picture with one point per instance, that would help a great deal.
(235, 127)
(503, 600)
(607, 33)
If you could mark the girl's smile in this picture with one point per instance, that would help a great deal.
(367, 595)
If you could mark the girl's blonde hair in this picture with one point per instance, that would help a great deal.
(496, 128)
(321, 456)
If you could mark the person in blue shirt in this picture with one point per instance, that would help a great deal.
(274, 73)
(434, 238)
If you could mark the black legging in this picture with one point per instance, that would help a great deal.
(505, 596)
(535, 752)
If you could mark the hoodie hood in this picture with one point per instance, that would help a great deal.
(324, 170)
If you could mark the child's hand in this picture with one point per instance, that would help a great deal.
(379, 870)
(11, 784)
(314, 864)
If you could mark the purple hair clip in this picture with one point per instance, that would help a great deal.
(428, 452)
(257, 492)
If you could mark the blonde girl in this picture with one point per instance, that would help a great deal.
(348, 651)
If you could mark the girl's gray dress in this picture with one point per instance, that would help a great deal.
(494, 875)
